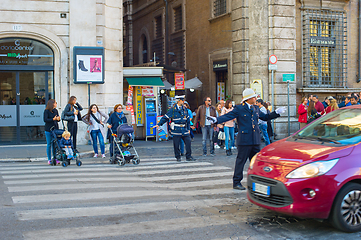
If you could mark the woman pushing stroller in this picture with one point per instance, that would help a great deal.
(116, 118)
(95, 119)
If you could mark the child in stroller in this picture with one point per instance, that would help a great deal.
(123, 146)
(63, 147)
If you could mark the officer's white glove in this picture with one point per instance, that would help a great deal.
(280, 110)
(213, 120)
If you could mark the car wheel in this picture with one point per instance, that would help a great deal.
(346, 212)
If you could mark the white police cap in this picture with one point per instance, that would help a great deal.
(180, 97)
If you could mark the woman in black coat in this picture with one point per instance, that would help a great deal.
(51, 119)
(72, 116)
(116, 118)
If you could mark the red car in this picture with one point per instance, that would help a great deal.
(314, 173)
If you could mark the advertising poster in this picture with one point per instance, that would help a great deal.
(89, 68)
(31, 115)
(220, 91)
(130, 96)
(147, 91)
(139, 105)
(8, 116)
(256, 85)
(179, 81)
(131, 109)
(162, 131)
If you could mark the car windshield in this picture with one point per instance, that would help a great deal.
(338, 127)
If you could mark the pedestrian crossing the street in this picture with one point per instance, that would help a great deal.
(154, 199)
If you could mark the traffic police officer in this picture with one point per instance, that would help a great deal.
(179, 127)
(249, 138)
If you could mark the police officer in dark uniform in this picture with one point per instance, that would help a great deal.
(249, 138)
(179, 127)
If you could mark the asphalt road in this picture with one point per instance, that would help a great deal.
(158, 199)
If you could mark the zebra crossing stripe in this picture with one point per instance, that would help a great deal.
(102, 168)
(115, 195)
(121, 209)
(146, 227)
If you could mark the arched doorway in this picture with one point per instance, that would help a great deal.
(144, 49)
(26, 84)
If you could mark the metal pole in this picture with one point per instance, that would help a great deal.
(88, 94)
(273, 100)
(288, 105)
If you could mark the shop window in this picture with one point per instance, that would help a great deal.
(219, 7)
(324, 49)
(178, 22)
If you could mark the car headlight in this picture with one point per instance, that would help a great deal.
(313, 169)
(252, 161)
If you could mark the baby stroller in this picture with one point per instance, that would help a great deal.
(60, 153)
(123, 149)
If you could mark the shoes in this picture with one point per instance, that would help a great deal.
(103, 155)
(182, 154)
(216, 146)
(228, 152)
(190, 159)
(192, 139)
(178, 159)
(57, 162)
(233, 148)
(49, 162)
(204, 154)
(212, 154)
(81, 66)
(96, 155)
(239, 187)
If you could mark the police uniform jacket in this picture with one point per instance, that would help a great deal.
(247, 119)
(180, 121)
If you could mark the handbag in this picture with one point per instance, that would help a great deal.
(221, 136)
(66, 117)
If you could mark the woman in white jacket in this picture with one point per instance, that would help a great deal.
(96, 120)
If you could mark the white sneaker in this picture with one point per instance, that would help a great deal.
(216, 146)
(103, 155)
(96, 155)
(234, 148)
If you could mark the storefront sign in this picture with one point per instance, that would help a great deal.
(31, 115)
(257, 87)
(179, 81)
(8, 116)
(288, 77)
(220, 91)
(220, 65)
(130, 95)
(139, 104)
(88, 65)
(131, 109)
(323, 41)
(148, 91)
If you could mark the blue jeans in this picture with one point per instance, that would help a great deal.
(229, 132)
(182, 146)
(98, 134)
(49, 144)
(207, 133)
(263, 128)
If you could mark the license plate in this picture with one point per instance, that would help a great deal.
(260, 188)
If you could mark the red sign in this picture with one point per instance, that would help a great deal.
(273, 59)
(131, 109)
(179, 81)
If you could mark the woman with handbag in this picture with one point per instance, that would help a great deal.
(312, 112)
(51, 119)
(71, 114)
(218, 134)
(95, 119)
(116, 118)
(229, 128)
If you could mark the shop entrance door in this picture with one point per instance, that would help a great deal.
(23, 95)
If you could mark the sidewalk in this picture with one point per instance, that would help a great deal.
(149, 149)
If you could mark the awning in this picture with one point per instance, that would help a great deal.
(145, 81)
(193, 83)
(167, 85)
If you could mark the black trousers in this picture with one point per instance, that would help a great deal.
(73, 129)
(176, 145)
(244, 153)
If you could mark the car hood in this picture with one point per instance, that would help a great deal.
(291, 153)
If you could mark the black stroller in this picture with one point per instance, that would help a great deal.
(123, 149)
(59, 154)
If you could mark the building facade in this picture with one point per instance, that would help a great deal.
(37, 40)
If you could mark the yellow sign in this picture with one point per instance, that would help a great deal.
(257, 87)
(172, 94)
(139, 104)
